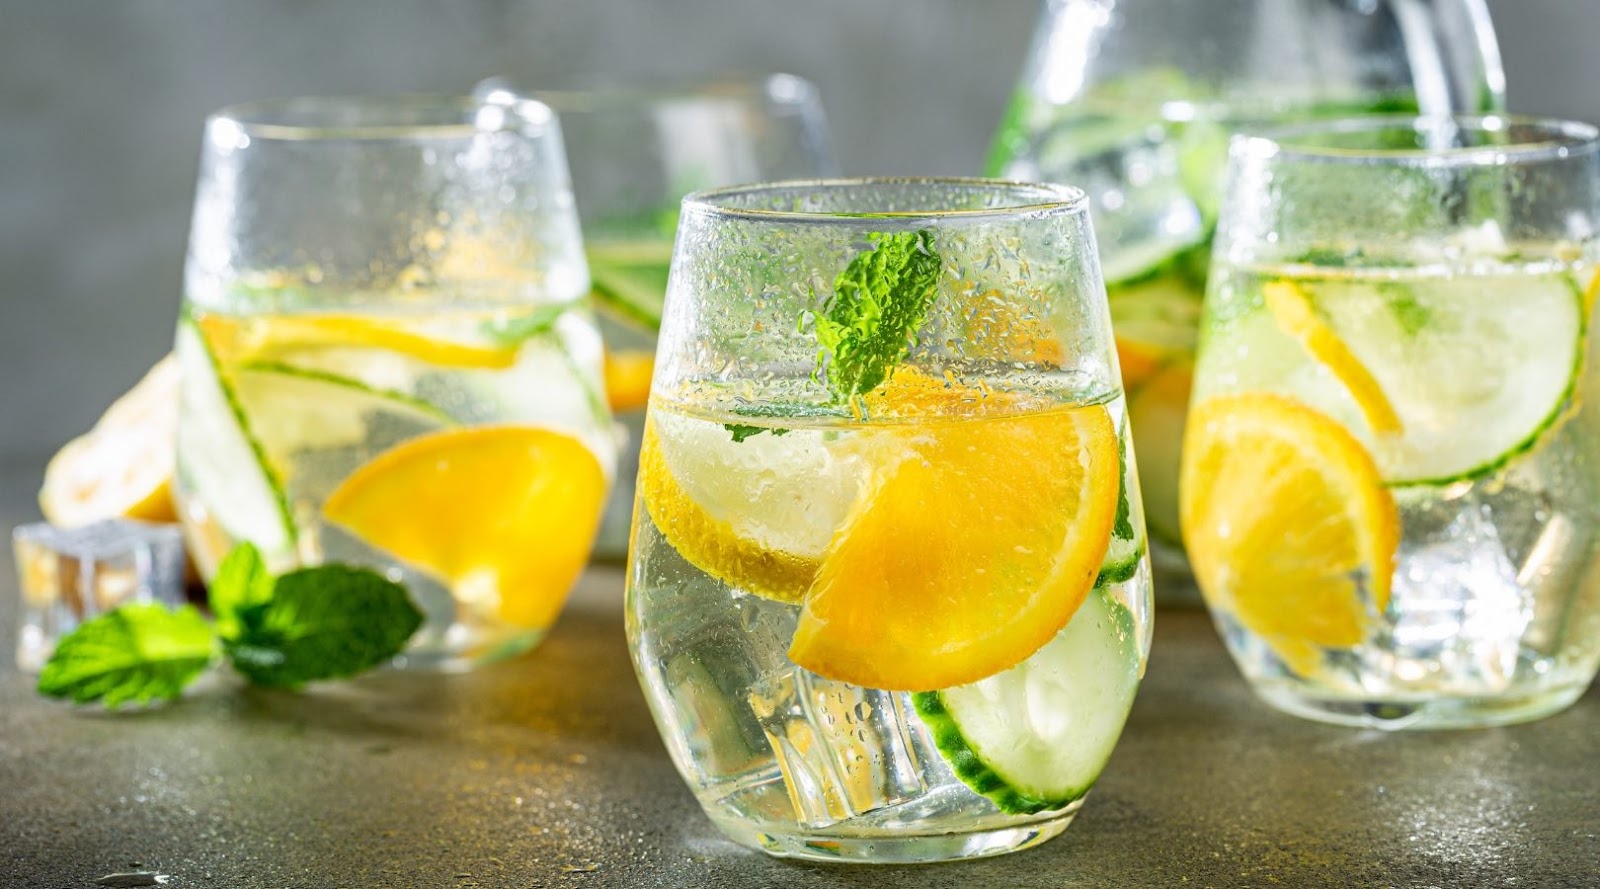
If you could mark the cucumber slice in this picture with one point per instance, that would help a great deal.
(1036, 737)
(222, 462)
(1127, 543)
(1122, 561)
(629, 280)
(294, 409)
(1476, 367)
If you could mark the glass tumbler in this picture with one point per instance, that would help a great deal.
(635, 151)
(1135, 101)
(887, 594)
(386, 359)
(1390, 489)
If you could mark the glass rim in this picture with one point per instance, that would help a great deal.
(1562, 139)
(776, 88)
(1046, 198)
(414, 116)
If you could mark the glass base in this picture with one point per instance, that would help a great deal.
(896, 848)
(1422, 713)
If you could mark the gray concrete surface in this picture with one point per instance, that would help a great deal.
(547, 772)
(101, 106)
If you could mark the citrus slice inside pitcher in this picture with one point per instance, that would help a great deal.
(504, 515)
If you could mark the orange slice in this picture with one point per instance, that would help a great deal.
(1295, 316)
(1139, 361)
(628, 374)
(1287, 522)
(504, 515)
(971, 553)
(122, 468)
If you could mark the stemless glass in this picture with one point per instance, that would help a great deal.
(886, 596)
(635, 151)
(386, 359)
(1390, 491)
(1135, 101)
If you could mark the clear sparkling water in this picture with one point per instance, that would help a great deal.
(1494, 607)
(781, 758)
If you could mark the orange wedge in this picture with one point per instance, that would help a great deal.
(122, 468)
(974, 550)
(504, 515)
(1287, 522)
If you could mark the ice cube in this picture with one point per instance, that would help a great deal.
(844, 751)
(68, 575)
(1460, 613)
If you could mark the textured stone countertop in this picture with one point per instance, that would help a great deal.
(547, 772)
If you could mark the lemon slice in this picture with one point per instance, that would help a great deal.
(969, 555)
(1288, 525)
(756, 514)
(504, 515)
(122, 468)
(1295, 316)
(453, 342)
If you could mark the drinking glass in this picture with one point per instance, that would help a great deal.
(386, 359)
(1390, 490)
(1135, 101)
(635, 151)
(886, 594)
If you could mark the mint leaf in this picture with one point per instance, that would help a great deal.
(241, 582)
(1410, 313)
(877, 305)
(322, 623)
(136, 654)
(742, 431)
(780, 409)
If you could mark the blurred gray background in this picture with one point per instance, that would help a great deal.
(101, 107)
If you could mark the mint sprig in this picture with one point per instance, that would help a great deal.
(133, 654)
(316, 623)
(242, 582)
(879, 301)
(322, 623)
